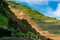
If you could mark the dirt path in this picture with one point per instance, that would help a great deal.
(21, 15)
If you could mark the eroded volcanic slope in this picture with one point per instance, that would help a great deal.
(12, 25)
(49, 24)
(26, 23)
(44, 25)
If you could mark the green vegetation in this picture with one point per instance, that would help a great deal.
(30, 34)
(16, 32)
(3, 20)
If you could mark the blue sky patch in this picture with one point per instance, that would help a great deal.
(53, 4)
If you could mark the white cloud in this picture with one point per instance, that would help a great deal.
(57, 12)
(33, 1)
(36, 1)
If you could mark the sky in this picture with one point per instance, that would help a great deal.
(49, 8)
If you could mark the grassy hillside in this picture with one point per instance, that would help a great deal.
(14, 27)
(46, 23)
